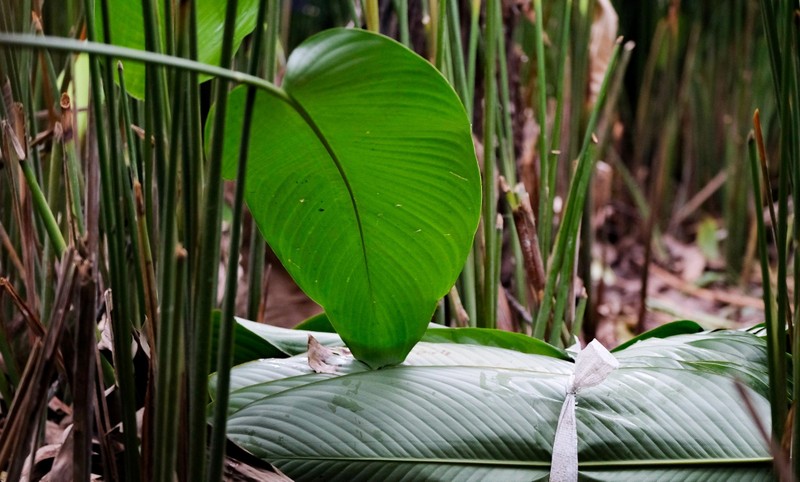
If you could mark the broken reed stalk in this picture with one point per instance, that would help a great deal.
(521, 209)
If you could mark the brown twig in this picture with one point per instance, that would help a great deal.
(83, 376)
(705, 294)
(525, 223)
(462, 318)
(31, 395)
(12, 253)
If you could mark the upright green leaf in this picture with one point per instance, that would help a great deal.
(365, 184)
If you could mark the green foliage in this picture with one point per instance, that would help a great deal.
(463, 412)
(210, 21)
(259, 340)
(364, 182)
(670, 329)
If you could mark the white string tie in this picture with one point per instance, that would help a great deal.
(592, 366)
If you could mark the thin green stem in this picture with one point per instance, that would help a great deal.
(441, 34)
(373, 16)
(489, 288)
(73, 180)
(40, 203)
(56, 164)
(226, 333)
(167, 340)
(457, 54)
(472, 53)
(123, 360)
(104, 50)
(776, 339)
(546, 223)
(170, 372)
(568, 232)
(545, 200)
(257, 244)
(401, 9)
(208, 255)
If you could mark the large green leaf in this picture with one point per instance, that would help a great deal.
(127, 30)
(446, 415)
(363, 180)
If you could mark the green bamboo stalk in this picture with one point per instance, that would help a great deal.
(73, 177)
(490, 262)
(545, 195)
(169, 327)
(456, 52)
(508, 165)
(257, 244)
(42, 208)
(469, 275)
(155, 83)
(472, 53)
(546, 222)
(776, 339)
(508, 171)
(566, 238)
(401, 10)
(226, 333)
(441, 35)
(56, 164)
(193, 165)
(373, 16)
(170, 371)
(169, 27)
(787, 235)
(208, 256)
(109, 207)
(580, 33)
(770, 29)
(130, 203)
(157, 118)
(577, 323)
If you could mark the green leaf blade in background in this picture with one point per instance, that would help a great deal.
(127, 30)
(365, 184)
(679, 327)
(493, 337)
(259, 340)
(440, 417)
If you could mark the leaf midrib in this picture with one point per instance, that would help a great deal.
(644, 463)
(295, 104)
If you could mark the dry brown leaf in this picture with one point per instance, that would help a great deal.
(62, 464)
(323, 359)
(235, 471)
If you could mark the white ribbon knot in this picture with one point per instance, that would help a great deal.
(592, 365)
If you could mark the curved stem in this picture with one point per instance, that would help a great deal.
(71, 45)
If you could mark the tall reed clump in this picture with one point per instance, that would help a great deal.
(689, 91)
(518, 217)
(111, 213)
(778, 224)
